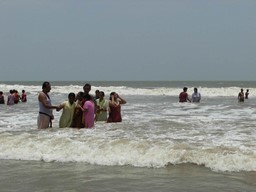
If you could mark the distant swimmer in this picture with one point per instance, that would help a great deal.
(45, 115)
(23, 96)
(241, 96)
(16, 96)
(196, 96)
(183, 97)
(247, 94)
(2, 97)
(10, 98)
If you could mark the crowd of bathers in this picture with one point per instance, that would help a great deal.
(13, 97)
(80, 110)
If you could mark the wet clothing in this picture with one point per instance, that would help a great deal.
(44, 110)
(102, 113)
(183, 97)
(115, 114)
(10, 99)
(24, 97)
(196, 97)
(67, 114)
(45, 115)
(43, 121)
(88, 114)
(16, 98)
(78, 117)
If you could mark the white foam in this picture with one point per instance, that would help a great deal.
(124, 90)
(87, 146)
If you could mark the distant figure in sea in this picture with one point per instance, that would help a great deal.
(183, 97)
(241, 96)
(196, 96)
(45, 115)
(115, 102)
(102, 107)
(23, 96)
(247, 94)
(10, 98)
(16, 96)
(78, 117)
(88, 110)
(2, 101)
(68, 111)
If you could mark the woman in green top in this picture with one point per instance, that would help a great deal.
(68, 111)
(101, 108)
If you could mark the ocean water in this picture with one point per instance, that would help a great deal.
(161, 145)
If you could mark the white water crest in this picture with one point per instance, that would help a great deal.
(105, 146)
(168, 91)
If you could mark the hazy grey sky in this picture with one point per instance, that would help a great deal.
(127, 40)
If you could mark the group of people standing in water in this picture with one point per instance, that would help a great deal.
(242, 95)
(13, 97)
(81, 110)
(196, 96)
(183, 97)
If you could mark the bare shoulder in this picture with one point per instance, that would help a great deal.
(41, 96)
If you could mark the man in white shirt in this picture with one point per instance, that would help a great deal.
(196, 97)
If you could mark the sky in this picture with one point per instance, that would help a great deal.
(127, 40)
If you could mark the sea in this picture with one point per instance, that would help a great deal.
(161, 144)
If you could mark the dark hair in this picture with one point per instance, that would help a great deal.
(87, 85)
(185, 89)
(71, 95)
(102, 92)
(87, 97)
(45, 84)
(1, 92)
(80, 94)
(112, 93)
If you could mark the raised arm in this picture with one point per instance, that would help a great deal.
(122, 101)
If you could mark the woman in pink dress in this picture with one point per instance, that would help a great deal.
(88, 109)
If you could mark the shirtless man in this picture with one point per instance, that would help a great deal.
(241, 96)
(247, 94)
(2, 98)
(45, 107)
